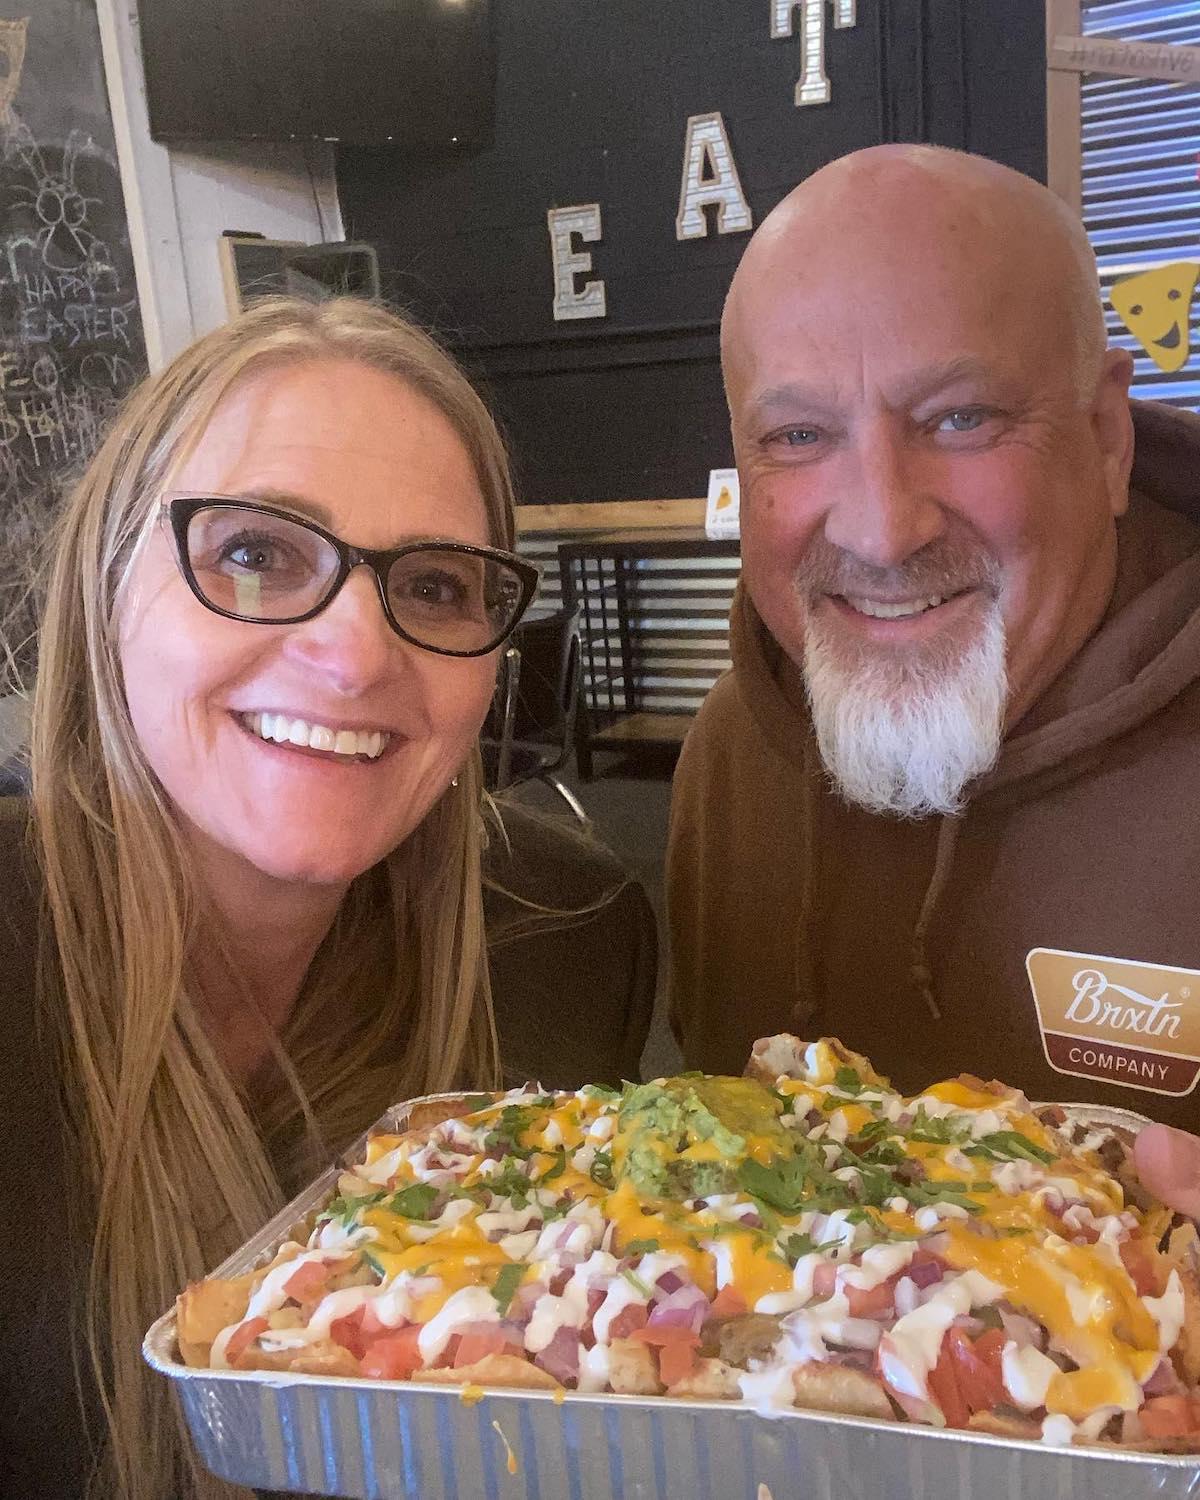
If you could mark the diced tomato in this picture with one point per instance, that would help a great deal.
(395, 1356)
(372, 1326)
(1169, 1416)
(873, 1302)
(307, 1283)
(350, 1331)
(476, 1346)
(675, 1362)
(662, 1335)
(979, 1380)
(728, 1303)
(1144, 1265)
(242, 1337)
(989, 1346)
(944, 1388)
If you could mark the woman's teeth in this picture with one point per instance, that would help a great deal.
(287, 731)
(878, 611)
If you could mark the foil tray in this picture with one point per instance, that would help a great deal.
(402, 1440)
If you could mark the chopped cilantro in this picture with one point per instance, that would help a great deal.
(476, 1102)
(557, 1167)
(935, 1131)
(637, 1284)
(640, 1247)
(875, 1130)
(507, 1281)
(782, 1184)
(884, 1154)
(506, 1132)
(510, 1183)
(602, 1169)
(600, 1091)
(346, 1208)
(848, 1081)
(796, 1246)
(375, 1265)
(414, 1201)
(1006, 1145)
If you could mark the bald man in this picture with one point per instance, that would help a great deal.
(963, 720)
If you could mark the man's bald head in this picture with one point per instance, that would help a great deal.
(933, 446)
(907, 211)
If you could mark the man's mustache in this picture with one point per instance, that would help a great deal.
(941, 569)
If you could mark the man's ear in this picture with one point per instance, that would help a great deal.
(1112, 426)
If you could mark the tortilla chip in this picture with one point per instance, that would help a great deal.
(1185, 1355)
(632, 1370)
(425, 1115)
(508, 1370)
(204, 1309)
(1005, 1426)
(838, 1388)
(711, 1380)
(322, 1357)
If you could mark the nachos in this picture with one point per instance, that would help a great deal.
(802, 1236)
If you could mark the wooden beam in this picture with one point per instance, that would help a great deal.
(1169, 62)
(1064, 127)
(610, 515)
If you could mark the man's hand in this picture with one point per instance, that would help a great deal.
(1168, 1164)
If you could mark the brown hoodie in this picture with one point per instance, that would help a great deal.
(790, 909)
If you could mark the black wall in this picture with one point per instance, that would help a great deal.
(592, 102)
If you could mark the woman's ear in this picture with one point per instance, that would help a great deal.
(1112, 424)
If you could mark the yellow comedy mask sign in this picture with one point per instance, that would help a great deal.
(1154, 306)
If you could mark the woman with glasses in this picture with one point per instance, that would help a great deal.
(248, 911)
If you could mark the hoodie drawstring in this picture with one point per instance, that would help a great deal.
(808, 881)
(922, 974)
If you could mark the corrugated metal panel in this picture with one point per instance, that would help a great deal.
(678, 620)
(1140, 155)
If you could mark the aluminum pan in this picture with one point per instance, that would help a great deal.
(374, 1440)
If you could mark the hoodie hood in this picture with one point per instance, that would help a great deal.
(1145, 651)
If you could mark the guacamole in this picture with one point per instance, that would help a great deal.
(685, 1137)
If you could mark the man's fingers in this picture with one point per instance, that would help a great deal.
(1168, 1163)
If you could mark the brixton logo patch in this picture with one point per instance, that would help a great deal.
(1137, 1025)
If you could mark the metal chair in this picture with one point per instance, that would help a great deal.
(530, 732)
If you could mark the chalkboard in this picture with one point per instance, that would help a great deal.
(70, 334)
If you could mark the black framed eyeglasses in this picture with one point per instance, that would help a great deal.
(256, 563)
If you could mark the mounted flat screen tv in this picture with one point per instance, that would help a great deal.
(416, 73)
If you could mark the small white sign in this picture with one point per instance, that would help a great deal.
(721, 517)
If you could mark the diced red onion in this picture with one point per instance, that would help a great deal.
(1164, 1381)
(1023, 1331)
(560, 1357)
(925, 1273)
(526, 1296)
(686, 1307)
(753, 1219)
(669, 1281)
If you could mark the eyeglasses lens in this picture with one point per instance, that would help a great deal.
(258, 565)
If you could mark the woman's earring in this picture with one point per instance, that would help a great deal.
(454, 781)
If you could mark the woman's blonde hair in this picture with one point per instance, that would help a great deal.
(177, 1166)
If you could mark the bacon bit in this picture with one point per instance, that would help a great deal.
(632, 1316)
(1144, 1265)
